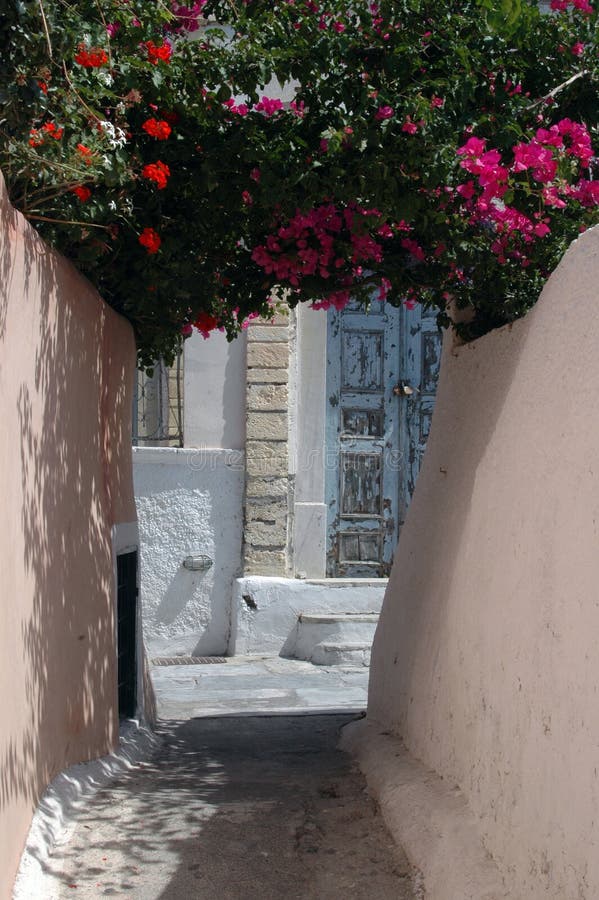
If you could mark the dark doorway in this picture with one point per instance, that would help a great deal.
(126, 633)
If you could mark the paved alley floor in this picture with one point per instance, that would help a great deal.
(242, 800)
(254, 684)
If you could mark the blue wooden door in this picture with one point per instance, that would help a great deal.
(382, 367)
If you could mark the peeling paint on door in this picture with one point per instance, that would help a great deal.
(381, 378)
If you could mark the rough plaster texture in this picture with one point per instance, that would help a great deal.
(486, 660)
(265, 621)
(67, 364)
(66, 796)
(188, 502)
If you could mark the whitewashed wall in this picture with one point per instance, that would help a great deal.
(188, 502)
(214, 392)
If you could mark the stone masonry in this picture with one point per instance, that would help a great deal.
(267, 454)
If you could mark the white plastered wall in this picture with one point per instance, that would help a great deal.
(190, 502)
(486, 660)
(310, 515)
(214, 392)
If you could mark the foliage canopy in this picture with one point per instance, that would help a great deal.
(423, 151)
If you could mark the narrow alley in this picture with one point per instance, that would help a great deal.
(238, 807)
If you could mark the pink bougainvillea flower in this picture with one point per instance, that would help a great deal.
(150, 239)
(157, 172)
(550, 136)
(467, 191)
(551, 197)
(586, 192)
(536, 157)
(298, 108)
(409, 127)
(577, 49)
(238, 109)
(562, 5)
(384, 112)
(269, 106)
(157, 128)
(473, 147)
(188, 16)
(187, 330)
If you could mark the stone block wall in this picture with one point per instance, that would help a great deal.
(267, 449)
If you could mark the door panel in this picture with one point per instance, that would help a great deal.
(127, 633)
(376, 433)
(362, 444)
(421, 351)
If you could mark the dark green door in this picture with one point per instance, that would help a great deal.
(127, 633)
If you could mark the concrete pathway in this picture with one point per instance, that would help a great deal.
(254, 684)
(237, 807)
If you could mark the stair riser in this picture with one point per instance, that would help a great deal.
(324, 657)
(309, 635)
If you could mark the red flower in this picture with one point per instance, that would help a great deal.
(36, 139)
(82, 192)
(51, 129)
(150, 239)
(43, 87)
(91, 59)
(157, 128)
(156, 52)
(85, 153)
(205, 323)
(157, 172)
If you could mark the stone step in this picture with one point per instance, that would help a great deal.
(353, 630)
(348, 653)
(332, 618)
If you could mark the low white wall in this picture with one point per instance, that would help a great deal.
(486, 660)
(265, 609)
(188, 502)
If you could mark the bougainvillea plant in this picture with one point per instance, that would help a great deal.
(404, 149)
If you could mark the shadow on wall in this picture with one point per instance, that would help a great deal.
(63, 399)
(415, 622)
(227, 532)
(233, 403)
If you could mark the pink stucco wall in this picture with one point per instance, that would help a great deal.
(66, 374)
(486, 661)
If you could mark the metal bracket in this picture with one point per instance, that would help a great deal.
(405, 389)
